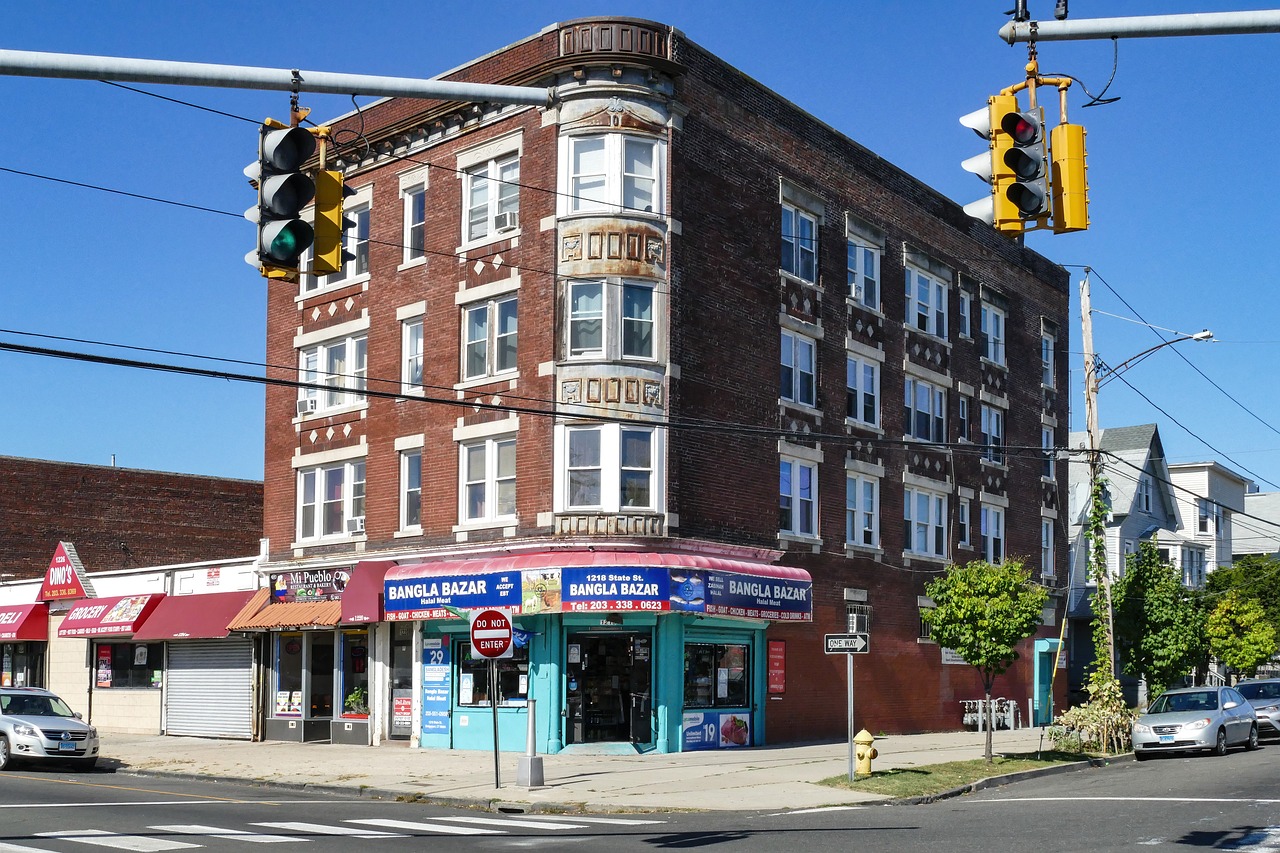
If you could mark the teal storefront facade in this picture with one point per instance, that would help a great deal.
(619, 651)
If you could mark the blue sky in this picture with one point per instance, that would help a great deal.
(1171, 240)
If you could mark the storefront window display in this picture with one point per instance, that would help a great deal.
(22, 664)
(128, 665)
(304, 668)
(473, 678)
(355, 673)
(717, 675)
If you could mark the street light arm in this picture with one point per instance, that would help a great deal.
(1111, 372)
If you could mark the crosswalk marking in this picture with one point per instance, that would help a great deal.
(102, 838)
(426, 827)
(218, 831)
(18, 848)
(619, 821)
(322, 829)
(501, 821)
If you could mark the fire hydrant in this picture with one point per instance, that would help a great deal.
(864, 753)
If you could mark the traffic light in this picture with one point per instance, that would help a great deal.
(996, 209)
(283, 191)
(1070, 190)
(1027, 159)
(331, 223)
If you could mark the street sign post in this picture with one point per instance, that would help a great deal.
(492, 638)
(847, 644)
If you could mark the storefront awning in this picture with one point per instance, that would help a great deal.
(24, 622)
(193, 617)
(261, 613)
(600, 582)
(362, 599)
(109, 617)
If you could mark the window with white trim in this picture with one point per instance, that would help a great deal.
(611, 319)
(993, 434)
(411, 356)
(925, 410)
(1047, 343)
(489, 331)
(1144, 492)
(993, 322)
(926, 302)
(799, 243)
(331, 500)
(491, 197)
(864, 273)
(610, 468)
(924, 514)
(411, 489)
(1046, 548)
(862, 510)
(488, 471)
(1210, 520)
(799, 370)
(1193, 567)
(798, 497)
(612, 172)
(963, 406)
(963, 527)
(415, 222)
(992, 534)
(966, 314)
(342, 365)
(862, 382)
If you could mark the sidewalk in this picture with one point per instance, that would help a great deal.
(761, 778)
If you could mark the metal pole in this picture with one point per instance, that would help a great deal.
(531, 732)
(1150, 26)
(493, 703)
(852, 733)
(24, 63)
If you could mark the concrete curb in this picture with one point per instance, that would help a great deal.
(1009, 779)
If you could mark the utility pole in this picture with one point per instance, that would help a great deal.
(1149, 26)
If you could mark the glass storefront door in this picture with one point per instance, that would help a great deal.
(609, 679)
(22, 664)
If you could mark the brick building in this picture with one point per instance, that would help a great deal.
(677, 374)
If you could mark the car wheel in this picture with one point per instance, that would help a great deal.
(1139, 755)
(1252, 742)
(5, 758)
(1220, 746)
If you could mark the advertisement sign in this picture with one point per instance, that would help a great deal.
(779, 599)
(435, 686)
(599, 589)
(288, 703)
(714, 730)
(317, 585)
(62, 582)
(541, 591)
(103, 677)
(409, 599)
(777, 655)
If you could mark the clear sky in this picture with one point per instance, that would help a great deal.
(1172, 239)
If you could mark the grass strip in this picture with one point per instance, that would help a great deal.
(929, 779)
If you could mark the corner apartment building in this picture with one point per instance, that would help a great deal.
(676, 374)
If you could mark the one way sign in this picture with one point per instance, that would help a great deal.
(847, 644)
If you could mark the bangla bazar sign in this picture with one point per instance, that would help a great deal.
(584, 590)
(432, 597)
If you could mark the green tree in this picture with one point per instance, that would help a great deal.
(982, 611)
(1159, 634)
(1257, 576)
(1239, 632)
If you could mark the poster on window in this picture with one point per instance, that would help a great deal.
(435, 686)
(777, 667)
(104, 667)
(712, 730)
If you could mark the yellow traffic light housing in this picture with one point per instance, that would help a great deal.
(330, 222)
(1070, 187)
(994, 166)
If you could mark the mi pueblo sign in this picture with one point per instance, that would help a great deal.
(491, 634)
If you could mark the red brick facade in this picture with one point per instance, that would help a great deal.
(733, 152)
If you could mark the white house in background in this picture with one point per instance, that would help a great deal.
(1209, 494)
(1260, 534)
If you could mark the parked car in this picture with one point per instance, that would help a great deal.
(1264, 695)
(1195, 718)
(36, 725)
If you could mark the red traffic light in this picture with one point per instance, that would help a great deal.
(1021, 128)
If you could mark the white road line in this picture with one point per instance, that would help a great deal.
(1169, 799)
(102, 838)
(220, 832)
(324, 829)
(110, 805)
(620, 821)
(426, 827)
(500, 821)
(819, 810)
(18, 848)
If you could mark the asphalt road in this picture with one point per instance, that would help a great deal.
(1230, 803)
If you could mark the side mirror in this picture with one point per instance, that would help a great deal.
(77, 715)
(1229, 705)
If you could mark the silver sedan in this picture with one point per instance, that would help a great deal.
(1195, 718)
(1264, 695)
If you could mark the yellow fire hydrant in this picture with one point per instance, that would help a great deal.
(864, 753)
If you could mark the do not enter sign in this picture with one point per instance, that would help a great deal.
(491, 634)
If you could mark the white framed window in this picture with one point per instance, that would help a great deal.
(411, 489)
(411, 356)
(355, 253)
(1046, 548)
(488, 471)
(489, 331)
(966, 314)
(993, 434)
(1144, 493)
(342, 365)
(993, 322)
(414, 241)
(611, 319)
(992, 534)
(925, 410)
(1193, 567)
(615, 172)
(963, 527)
(799, 243)
(799, 378)
(862, 510)
(924, 514)
(926, 302)
(864, 273)
(491, 198)
(964, 406)
(608, 467)
(331, 500)
(798, 497)
(862, 382)
(1049, 451)
(1047, 343)
(1210, 516)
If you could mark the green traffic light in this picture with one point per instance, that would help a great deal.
(288, 240)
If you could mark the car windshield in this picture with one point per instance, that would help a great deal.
(1260, 690)
(1173, 703)
(33, 706)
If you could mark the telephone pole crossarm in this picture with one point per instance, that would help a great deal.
(1149, 26)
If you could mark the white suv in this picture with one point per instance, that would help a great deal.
(37, 725)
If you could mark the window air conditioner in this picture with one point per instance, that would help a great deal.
(307, 406)
(355, 525)
(505, 221)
